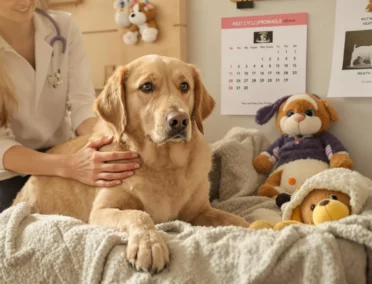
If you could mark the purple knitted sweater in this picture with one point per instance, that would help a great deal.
(321, 147)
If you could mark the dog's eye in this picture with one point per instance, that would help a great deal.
(334, 197)
(309, 112)
(312, 207)
(290, 113)
(184, 87)
(148, 87)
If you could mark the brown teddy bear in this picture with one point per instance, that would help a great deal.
(305, 146)
(327, 196)
(142, 18)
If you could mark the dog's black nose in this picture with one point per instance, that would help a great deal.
(178, 120)
(324, 202)
(132, 15)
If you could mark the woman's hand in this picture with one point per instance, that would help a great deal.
(89, 166)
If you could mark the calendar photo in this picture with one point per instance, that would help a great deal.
(263, 37)
(263, 58)
(358, 50)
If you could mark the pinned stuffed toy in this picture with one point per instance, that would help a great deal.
(327, 196)
(304, 148)
(122, 12)
(142, 17)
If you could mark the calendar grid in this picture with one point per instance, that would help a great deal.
(262, 63)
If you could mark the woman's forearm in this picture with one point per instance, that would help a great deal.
(27, 161)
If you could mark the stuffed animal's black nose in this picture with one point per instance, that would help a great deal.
(282, 198)
(133, 15)
(178, 120)
(324, 202)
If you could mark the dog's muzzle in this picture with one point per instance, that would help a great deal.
(177, 125)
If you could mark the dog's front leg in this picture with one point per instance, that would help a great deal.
(214, 217)
(118, 210)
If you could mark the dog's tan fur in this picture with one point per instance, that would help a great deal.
(172, 182)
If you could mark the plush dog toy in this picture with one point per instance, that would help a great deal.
(327, 196)
(142, 17)
(304, 148)
(122, 12)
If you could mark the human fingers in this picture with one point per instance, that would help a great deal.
(114, 156)
(97, 143)
(114, 176)
(118, 167)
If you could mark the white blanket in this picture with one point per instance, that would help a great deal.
(56, 249)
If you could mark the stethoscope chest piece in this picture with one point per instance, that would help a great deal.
(55, 79)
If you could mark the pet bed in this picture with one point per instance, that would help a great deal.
(57, 249)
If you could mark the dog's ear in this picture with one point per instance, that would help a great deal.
(332, 112)
(204, 102)
(110, 104)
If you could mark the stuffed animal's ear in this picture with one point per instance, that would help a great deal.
(110, 104)
(330, 109)
(204, 102)
(265, 113)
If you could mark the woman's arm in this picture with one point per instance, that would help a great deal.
(27, 161)
(87, 165)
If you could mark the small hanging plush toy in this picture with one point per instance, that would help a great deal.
(305, 146)
(142, 18)
(122, 12)
(327, 196)
(369, 7)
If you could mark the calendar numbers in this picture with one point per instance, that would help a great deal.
(264, 69)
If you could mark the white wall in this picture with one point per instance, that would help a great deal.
(204, 50)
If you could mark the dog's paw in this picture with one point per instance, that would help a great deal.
(130, 38)
(147, 251)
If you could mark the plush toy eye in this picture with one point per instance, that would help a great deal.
(184, 87)
(309, 112)
(148, 87)
(334, 197)
(312, 207)
(290, 113)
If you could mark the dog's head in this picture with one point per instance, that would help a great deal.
(300, 114)
(141, 13)
(157, 97)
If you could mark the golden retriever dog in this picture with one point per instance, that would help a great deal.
(153, 106)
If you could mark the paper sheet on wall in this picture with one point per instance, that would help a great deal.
(352, 52)
(263, 58)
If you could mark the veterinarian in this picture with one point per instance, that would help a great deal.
(44, 72)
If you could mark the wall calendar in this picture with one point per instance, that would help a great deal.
(263, 58)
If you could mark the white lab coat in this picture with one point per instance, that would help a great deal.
(40, 120)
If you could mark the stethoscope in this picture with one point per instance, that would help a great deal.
(55, 76)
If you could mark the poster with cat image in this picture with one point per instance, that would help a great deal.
(352, 54)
